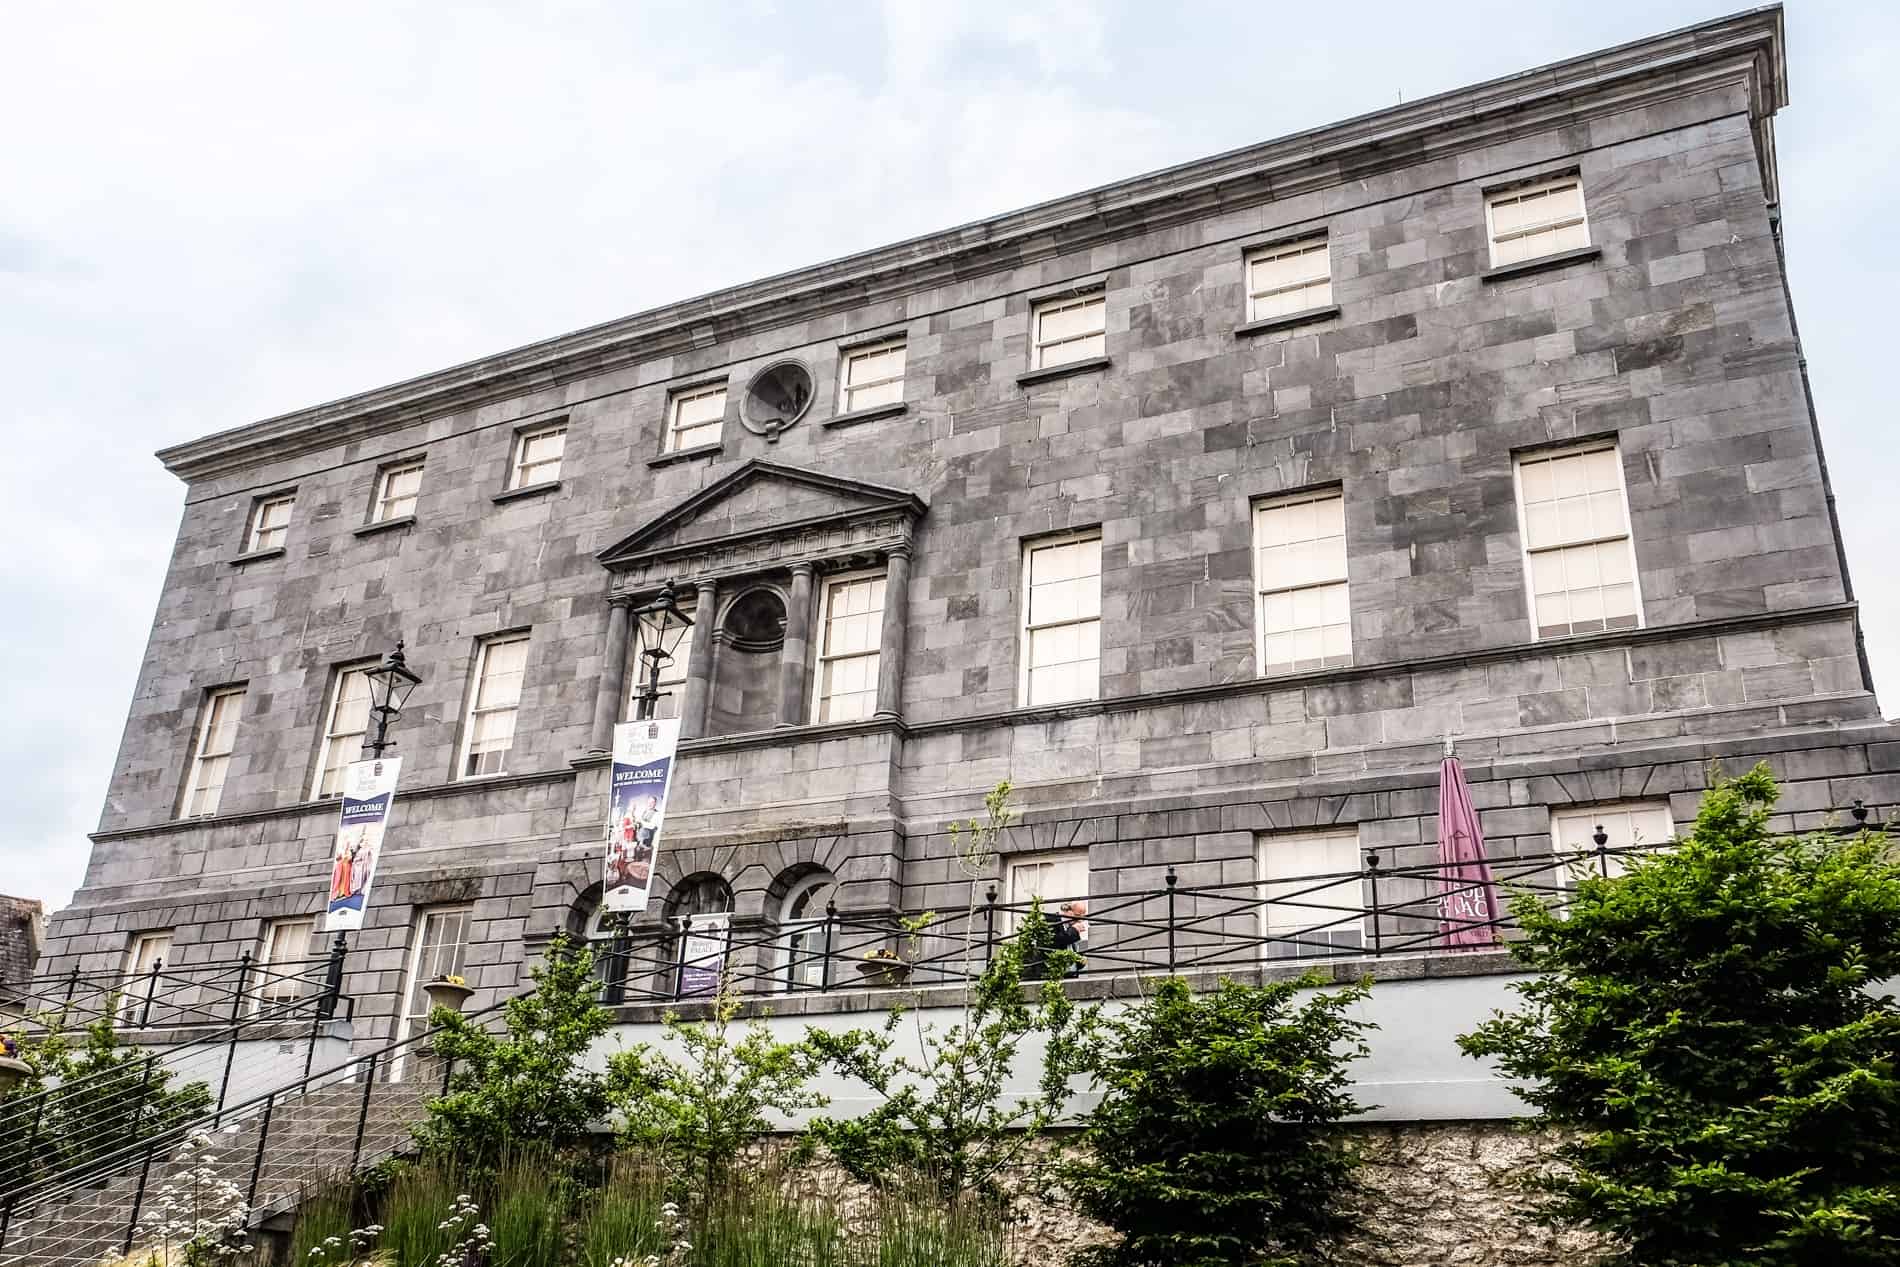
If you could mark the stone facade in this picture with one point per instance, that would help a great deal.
(22, 932)
(1411, 395)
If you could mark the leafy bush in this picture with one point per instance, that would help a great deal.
(1710, 1029)
(942, 1119)
(527, 1083)
(698, 1113)
(1214, 1142)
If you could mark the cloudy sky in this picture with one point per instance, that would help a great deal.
(214, 213)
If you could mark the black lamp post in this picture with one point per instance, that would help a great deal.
(389, 686)
(658, 617)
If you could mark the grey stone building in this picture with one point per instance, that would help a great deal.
(1205, 507)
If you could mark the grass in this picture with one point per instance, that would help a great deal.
(922, 1231)
(322, 1215)
(420, 1198)
(745, 1227)
(526, 1210)
(622, 1217)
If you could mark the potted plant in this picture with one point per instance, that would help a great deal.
(883, 966)
(13, 1070)
(447, 990)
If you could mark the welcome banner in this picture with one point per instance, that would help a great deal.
(369, 789)
(643, 771)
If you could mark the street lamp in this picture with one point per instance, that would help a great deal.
(389, 686)
(658, 617)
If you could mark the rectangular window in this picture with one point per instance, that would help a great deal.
(285, 972)
(396, 490)
(1312, 904)
(1579, 562)
(1062, 621)
(695, 417)
(1288, 278)
(1068, 330)
(873, 376)
(537, 457)
(1536, 220)
(1049, 879)
(491, 709)
(217, 738)
(145, 959)
(1304, 618)
(438, 947)
(270, 522)
(850, 632)
(1630, 824)
(677, 642)
(345, 723)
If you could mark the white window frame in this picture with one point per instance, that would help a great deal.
(194, 804)
(409, 1021)
(485, 649)
(1041, 309)
(801, 922)
(673, 673)
(1018, 866)
(1628, 535)
(1317, 244)
(519, 466)
(684, 396)
(849, 391)
(382, 507)
(137, 972)
(1312, 914)
(1026, 630)
(1573, 834)
(261, 525)
(270, 991)
(1512, 193)
(1263, 590)
(823, 659)
(326, 739)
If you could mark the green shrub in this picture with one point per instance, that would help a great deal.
(1712, 1031)
(1213, 1143)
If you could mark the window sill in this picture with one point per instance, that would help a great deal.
(386, 525)
(1062, 371)
(872, 414)
(258, 556)
(527, 490)
(687, 455)
(1541, 263)
(1289, 319)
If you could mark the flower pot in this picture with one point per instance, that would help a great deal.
(446, 994)
(12, 1073)
(884, 971)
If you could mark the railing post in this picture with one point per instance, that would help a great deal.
(72, 984)
(1173, 880)
(237, 1014)
(151, 988)
(145, 1094)
(257, 1159)
(332, 979)
(989, 925)
(617, 956)
(1602, 839)
(362, 1112)
(1372, 880)
(831, 924)
(138, 1201)
(6, 1216)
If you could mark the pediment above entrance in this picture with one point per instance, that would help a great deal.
(763, 515)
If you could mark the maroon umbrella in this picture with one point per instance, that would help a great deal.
(1467, 901)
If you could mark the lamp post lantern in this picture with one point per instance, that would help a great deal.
(658, 617)
(389, 686)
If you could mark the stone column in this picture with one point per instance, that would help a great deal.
(699, 661)
(792, 664)
(890, 651)
(612, 690)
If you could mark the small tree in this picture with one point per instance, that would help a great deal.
(1214, 1143)
(1708, 1029)
(527, 1083)
(942, 1117)
(698, 1114)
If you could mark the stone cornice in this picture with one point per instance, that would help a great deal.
(1746, 49)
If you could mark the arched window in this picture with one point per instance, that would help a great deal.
(801, 931)
(700, 909)
(603, 934)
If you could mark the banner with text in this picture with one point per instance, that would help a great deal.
(643, 771)
(369, 789)
(703, 942)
